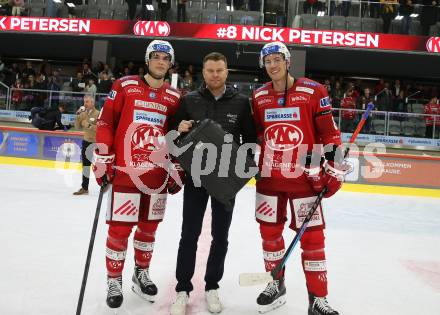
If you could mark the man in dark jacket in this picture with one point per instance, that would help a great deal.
(231, 110)
(48, 119)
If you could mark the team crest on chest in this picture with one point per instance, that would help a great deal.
(283, 137)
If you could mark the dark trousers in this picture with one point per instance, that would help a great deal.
(387, 18)
(86, 165)
(195, 200)
(131, 10)
(181, 12)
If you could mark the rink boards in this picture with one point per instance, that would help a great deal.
(383, 173)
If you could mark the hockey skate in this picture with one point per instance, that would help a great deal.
(114, 292)
(272, 297)
(213, 301)
(142, 284)
(179, 305)
(320, 306)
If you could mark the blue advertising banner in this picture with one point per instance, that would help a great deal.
(61, 148)
(2, 143)
(393, 140)
(20, 144)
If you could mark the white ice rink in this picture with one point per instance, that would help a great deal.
(382, 251)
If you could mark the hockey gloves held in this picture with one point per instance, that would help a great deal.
(103, 168)
(331, 176)
(176, 178)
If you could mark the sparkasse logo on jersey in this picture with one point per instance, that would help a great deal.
(282, 114)
(433, 44)
(152, 28)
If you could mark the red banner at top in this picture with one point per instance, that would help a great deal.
(333, 38)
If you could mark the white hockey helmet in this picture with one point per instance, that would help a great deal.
(159, 45)
(274, 48)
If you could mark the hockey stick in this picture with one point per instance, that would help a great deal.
(249, 279)
(91, 243)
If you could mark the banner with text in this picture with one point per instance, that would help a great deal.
(62, 148)
(246, 33)
(18, 144)
(394, 140)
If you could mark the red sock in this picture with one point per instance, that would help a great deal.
(313, 262)
(116, 250)
(144, 243)
(273, 246)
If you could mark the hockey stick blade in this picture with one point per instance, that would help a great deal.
(250, 279)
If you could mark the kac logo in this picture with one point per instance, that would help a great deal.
(283, 137)
(433, 44)
(152, 28)
(147, 138)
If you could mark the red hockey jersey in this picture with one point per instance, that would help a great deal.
(432, 109)
(288, 131)
(348, 104)
(133, 124)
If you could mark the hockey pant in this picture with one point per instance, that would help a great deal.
(312, 257)
(117, 240)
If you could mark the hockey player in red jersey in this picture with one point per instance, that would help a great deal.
(432, 108)
(132, 156)
(293, 119)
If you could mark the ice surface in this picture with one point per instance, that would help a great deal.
(383, 253)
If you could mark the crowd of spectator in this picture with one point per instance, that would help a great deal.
(134, 9)
(428, 11)
(13, 7)
(33, 84)
(395, 96)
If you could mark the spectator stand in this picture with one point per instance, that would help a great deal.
(220, 12)
(49, 99)
(389, 123)
(357, 16)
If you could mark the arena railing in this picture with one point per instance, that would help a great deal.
(414, 125)
(379, 122)
(356, 8)
(25, 99)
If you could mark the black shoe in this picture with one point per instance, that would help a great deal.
(114, 292)
(320, 306)
(272, 297)
(142, 284)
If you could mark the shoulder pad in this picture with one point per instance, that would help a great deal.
(261, 91)
(129, 80)
(308, 82)
(309, 86)
(172, 91)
